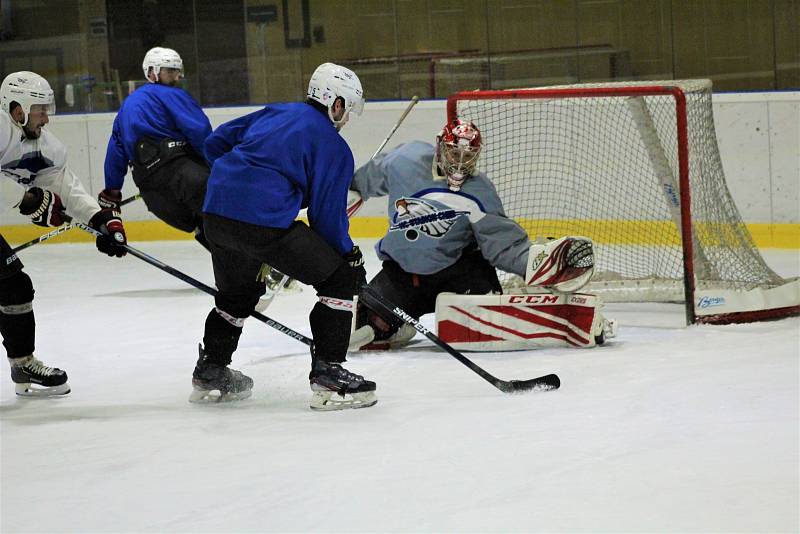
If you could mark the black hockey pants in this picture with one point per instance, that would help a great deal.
(416, 293)
(240, 254)
(175, 191)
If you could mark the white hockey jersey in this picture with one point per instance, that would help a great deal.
(25, 163)
(429, 225)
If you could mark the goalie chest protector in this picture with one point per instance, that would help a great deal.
(517, 321)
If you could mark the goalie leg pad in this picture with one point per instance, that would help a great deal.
(518, 322)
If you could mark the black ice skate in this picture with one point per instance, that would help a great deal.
(210, 377)
(336, 388)
(35, 379)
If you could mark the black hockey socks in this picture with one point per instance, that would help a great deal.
(17, 324)
(221, 336)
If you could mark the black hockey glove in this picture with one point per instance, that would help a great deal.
(43, 207)
(356, 261)
(110, 199)
(110, 225)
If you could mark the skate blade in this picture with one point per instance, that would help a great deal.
(328, 401)
(31, 390)
(214, 396)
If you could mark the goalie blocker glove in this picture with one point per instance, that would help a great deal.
(113, 239)
(43, 207)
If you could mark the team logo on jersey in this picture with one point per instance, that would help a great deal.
(414, 215)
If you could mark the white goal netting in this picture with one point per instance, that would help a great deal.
(606, 164)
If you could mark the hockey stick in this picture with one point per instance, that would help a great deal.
(414, 100)
(351, 211)
(44, 237)
(61, 229)
(130, 199)
(201, 286)
(542, 383)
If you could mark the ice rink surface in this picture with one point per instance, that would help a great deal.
(664, 429)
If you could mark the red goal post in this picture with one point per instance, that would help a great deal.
(634, 166)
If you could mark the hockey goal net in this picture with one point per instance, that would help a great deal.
(635, 166)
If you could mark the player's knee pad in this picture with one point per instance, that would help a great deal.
(236, 307)
(342, 284)
(16, 293)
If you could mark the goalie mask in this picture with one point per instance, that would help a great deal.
(457, 149)
(161, 58)
(331, 81)
(26, 89)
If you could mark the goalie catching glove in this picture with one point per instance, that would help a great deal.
(564, 265)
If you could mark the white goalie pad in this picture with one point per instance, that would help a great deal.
(521, 321)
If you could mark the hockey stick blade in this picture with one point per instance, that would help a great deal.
(542, 383)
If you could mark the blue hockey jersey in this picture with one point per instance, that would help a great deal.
(430, 225)
(156, 111)
(268, 165)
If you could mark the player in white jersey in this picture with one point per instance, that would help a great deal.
(448, 233)
(36, 181)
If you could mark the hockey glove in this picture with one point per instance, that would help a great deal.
(110, 199)
(356, 261)
(109, 224)
(43, 207)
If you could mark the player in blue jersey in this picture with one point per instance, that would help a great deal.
(448, 232)
(266, 167)
(159, 131)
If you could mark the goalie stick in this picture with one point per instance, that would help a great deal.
(414, 100)
(203, 287)
(542, 383)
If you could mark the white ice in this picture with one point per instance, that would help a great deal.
(667, 428)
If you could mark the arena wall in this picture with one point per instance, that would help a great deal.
(758, 136)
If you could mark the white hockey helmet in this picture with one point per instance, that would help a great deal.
(26, 89)
(331, 81)
(159, 58)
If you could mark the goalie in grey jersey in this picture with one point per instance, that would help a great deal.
(448, 233)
